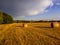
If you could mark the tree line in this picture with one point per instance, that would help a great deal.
(5, 18)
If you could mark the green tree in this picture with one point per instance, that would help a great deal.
(1, 18)
(5, 18)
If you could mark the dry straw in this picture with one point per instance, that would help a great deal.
(25, 25)
(56, 24)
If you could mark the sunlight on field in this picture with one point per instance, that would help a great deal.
(34, 34)
(56, 24)
(25, 25)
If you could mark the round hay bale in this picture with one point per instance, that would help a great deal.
(25, 25)
(56, 24)
(52, 25)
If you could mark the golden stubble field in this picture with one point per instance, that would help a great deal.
(33, 34)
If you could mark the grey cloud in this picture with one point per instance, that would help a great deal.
(24, 7)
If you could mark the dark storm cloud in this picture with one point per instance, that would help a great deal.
(9, 6)
(18, 8)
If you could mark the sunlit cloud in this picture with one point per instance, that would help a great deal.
(26, 7)
(34, 7)
(33, 12)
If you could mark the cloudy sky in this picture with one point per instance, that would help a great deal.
(32, 9)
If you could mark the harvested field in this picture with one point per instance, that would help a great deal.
(34, 34)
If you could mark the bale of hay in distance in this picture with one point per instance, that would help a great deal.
(56, 24)
(25, 25)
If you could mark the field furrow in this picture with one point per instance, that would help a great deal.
(16, 34)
